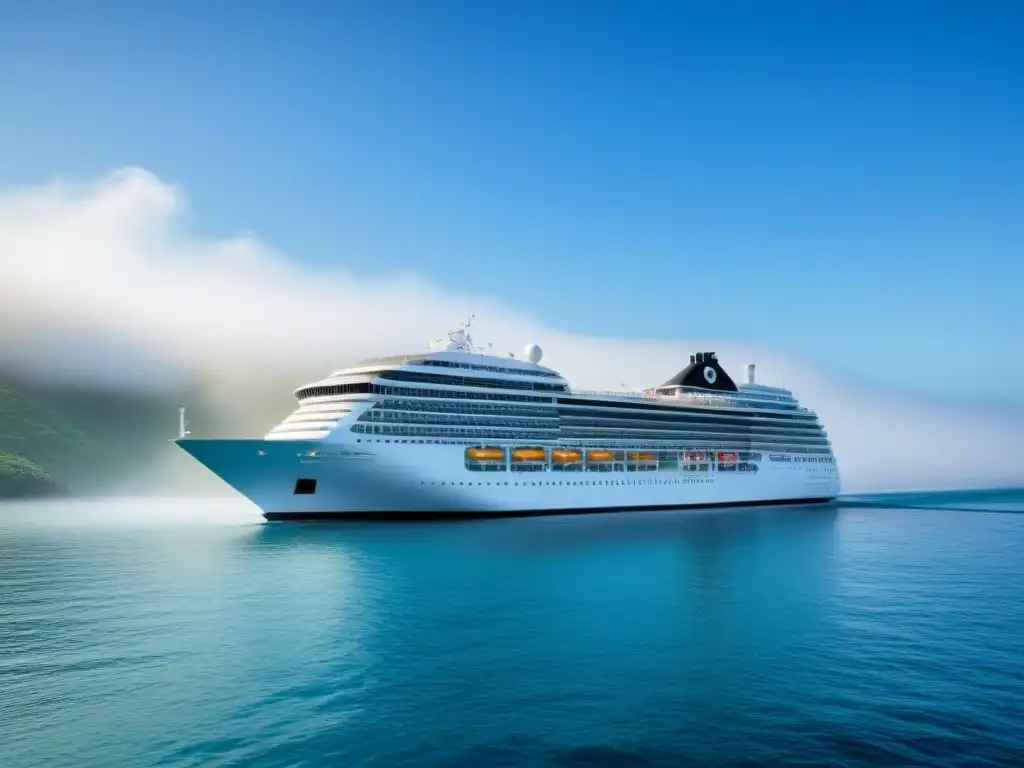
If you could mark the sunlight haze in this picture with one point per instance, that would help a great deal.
(99, 283)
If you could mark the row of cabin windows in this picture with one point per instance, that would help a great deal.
(701, 397)
(469, 381)
(594, 417)
(300, 418)
(650, 412)
(719, 403)
(597, 418)
(701, 435)
(761, 392)
(491, 368)
(746, 398)
(576, 416)
(358, 388)
(456, 419)
(483, 433)
(652, 407)
(768, 406)
(774, 398)
(671, 431)
(378, 389)
(468, 432)
(660, 421)
(582, 444)
(524, 483)
(453, 395)
(535, 411)
(676, 435)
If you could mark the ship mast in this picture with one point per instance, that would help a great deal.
(183, 430)
(459, 340)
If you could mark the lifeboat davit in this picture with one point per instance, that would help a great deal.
(599, 456)
(529, 454)
(565, 456)
(640, 456)
(485, 454)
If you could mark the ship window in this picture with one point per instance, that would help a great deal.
(305, 485)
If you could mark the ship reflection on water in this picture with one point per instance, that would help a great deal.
(697, 603)
(700, 529)
(690, 569)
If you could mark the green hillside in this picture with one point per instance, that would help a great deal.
(77, 440)
(21, 478)
(37, 448)
(88, 440)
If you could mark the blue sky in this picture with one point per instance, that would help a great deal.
(847, 185)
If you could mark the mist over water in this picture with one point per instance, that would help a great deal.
(121, 513)
(98, 286)
(861, 633)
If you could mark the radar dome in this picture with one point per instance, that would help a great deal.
(533, 353)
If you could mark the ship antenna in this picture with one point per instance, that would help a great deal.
(460, 340)
(183, 430)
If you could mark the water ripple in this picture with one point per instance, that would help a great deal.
(877, 632)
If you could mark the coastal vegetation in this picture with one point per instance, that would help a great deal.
(20, 478)
(56, 440)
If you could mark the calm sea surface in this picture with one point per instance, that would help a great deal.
(877, 631)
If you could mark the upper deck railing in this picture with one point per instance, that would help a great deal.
(610, 393)
(729, 400)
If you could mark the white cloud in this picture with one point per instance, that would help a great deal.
(97, 284)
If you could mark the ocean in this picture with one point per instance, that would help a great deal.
(879, 630)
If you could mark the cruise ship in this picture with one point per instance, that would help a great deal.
(456, 431)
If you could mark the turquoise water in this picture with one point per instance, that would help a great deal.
(877, 631)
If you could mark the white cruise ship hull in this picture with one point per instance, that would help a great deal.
(293, 479)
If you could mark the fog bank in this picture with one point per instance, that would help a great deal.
(100, 285)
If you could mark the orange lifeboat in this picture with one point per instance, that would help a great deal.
(485, 454)
(727, 458)
(640, 456)
(694, 456)
(565, 456)
(599, 456)
(529, 454)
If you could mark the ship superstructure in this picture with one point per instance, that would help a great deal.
(456, 430)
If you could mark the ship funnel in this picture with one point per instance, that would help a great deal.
(750, 373)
